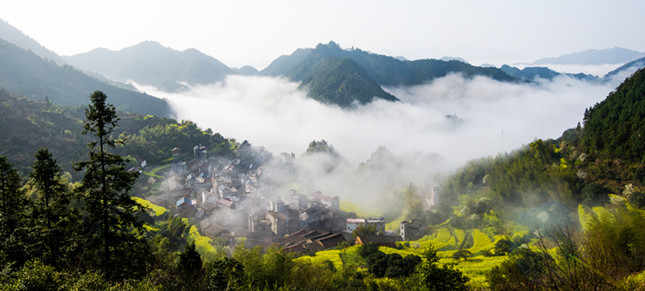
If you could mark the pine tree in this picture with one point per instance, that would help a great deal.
(52, 218)
(111, 215)
(13, 203)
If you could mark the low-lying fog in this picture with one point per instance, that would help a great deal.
(459, 119)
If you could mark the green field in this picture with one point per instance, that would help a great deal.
(445, 240)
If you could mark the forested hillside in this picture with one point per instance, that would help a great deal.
(615, 127)
(337, 76)
(385, 70)
(27, 125)
(580, 197)
(342, 82)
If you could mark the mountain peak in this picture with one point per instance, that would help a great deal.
(151, 63)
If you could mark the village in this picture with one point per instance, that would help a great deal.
(226, 199)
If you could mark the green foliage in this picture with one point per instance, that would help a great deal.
(189, 267)
(27, 125)
(34, 275)
(321, 147)
(52, 219)
(615, 127)
(269, 269)
(224, 274)
(462, 254)
(155, 142)
(595, 193)
(13, 208)
(430, 276)
(523, 271)
(612, 249)
(503, 246)
(363, 230)
(637, 199)
(367, 249)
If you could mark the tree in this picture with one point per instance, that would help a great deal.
(51, 216)
(190, 266)
(224, 274)
(430, 276)
(12, 199)
(461, 254)
(111, 215)
(13, 204)
(364, 230)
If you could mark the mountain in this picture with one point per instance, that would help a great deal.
(343, 82)
(531, 73)
(15, 36)
(150, 63)
(320, 69)
(594, 57)
(246, 71)
(24, 73)
(627, 69)
(385, 70)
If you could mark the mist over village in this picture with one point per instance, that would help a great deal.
(292, 146)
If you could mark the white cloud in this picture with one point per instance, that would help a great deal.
(275, 114)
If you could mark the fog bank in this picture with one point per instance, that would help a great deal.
(457, 118)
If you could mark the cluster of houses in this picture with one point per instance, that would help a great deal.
(224, 196)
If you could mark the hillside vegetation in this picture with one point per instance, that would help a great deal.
(27, 125)
(580, 197)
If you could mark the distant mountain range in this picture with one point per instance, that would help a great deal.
(594, 57)
(533, 73)
(149, 63)
(328, 73)
(631, 66)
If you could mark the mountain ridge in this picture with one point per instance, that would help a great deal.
(18, 38)
(27, 74)
(150, 63)
(614, 55)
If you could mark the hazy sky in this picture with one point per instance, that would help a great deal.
(256, 32)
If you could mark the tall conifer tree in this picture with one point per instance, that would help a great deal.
(111, 214)
(13, 205)
(52, 217)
